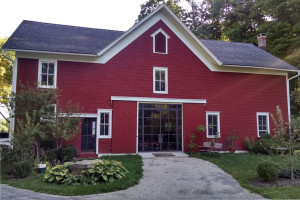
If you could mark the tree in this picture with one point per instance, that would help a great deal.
(4, 126)
(6, 67)
(151, 5)
(287, 135)
(37, 119)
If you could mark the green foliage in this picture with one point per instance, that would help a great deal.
(58, 174)
(4, 125)
(192, 144)
(102, 171)
(264, 146)
(66, 153)
(150, 5)
(37, 120)
(231, 139)
(22, 169)
(267, 171)
(250, 144)
(6, 67)
(285, 172)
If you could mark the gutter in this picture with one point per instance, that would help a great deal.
(295, 76)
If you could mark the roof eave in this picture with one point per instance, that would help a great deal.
(265, 68)
(51, 52)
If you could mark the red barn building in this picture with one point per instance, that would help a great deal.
(147, 89)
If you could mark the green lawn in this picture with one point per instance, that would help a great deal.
(242, 167)
(133, 164)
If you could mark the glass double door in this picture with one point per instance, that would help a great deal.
(160, 127)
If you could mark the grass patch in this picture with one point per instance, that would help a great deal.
(242, 167)
(133, 164)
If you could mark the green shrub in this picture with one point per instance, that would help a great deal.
(66, 153)
(285, 172)
(267, 171)
(250, 144)
(102, 171)
(22, 169)
(264, 146)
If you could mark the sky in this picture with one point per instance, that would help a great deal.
(104, 14)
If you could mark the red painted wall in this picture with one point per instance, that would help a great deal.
(124, 127)
(238, 96)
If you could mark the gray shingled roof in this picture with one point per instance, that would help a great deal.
(45, 37)
(244, 54)
(38, 36)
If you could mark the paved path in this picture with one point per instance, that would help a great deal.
(164, 178)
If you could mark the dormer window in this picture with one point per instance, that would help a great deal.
(160, 41)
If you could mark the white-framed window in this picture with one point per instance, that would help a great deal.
(213, 124)
(105, 123)
(160, 80)
(160, 41)
(263, 126)
(47, 74)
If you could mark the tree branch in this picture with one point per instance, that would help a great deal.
(4, 117)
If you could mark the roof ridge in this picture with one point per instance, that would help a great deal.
(229, 41)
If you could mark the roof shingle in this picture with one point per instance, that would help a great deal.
(244, 54)
(38, 36)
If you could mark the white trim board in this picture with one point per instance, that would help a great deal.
(162, 100)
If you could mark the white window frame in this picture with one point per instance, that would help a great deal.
(219, 125)
(165, 69)
(167, 37)
(109, 111)
(40, 71)
(257, 122)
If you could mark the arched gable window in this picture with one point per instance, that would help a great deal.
(160, 41)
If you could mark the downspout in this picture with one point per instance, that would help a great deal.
(5, 56)
(288, 93)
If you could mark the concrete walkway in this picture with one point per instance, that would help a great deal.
(164, 178)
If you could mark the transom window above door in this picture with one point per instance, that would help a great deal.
(160, 80)
(160, 41)
(47, 74)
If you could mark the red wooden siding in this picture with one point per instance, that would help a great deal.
(124, 127)
(104, 145)
(237, 96)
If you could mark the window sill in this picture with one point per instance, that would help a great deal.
(104, 137)
(49, 87)
(158, 92)
(212, 136)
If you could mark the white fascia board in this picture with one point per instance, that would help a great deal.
(51, 52)
(265, 68)
(160, 100)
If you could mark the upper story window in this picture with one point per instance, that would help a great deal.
(212, 124)
(105, 123)
(47, 74)
(160, 80)
(262, 123)
(160, 41)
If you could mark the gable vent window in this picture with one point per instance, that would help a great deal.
(160, 42)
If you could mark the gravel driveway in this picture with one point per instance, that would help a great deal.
(164, 178)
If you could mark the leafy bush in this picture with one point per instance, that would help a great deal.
(102, 171)
(265, 146)
(250, 144)
(22, 169)
(267, 171)
(285, 172)
(66, 153)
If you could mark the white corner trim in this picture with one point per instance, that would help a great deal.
(40, 71)
(165, 69)
(268, 121)
(219, 125)
(151, 99)
(109, 111)
(288, 97)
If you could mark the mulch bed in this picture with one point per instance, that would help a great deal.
(279, 182)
